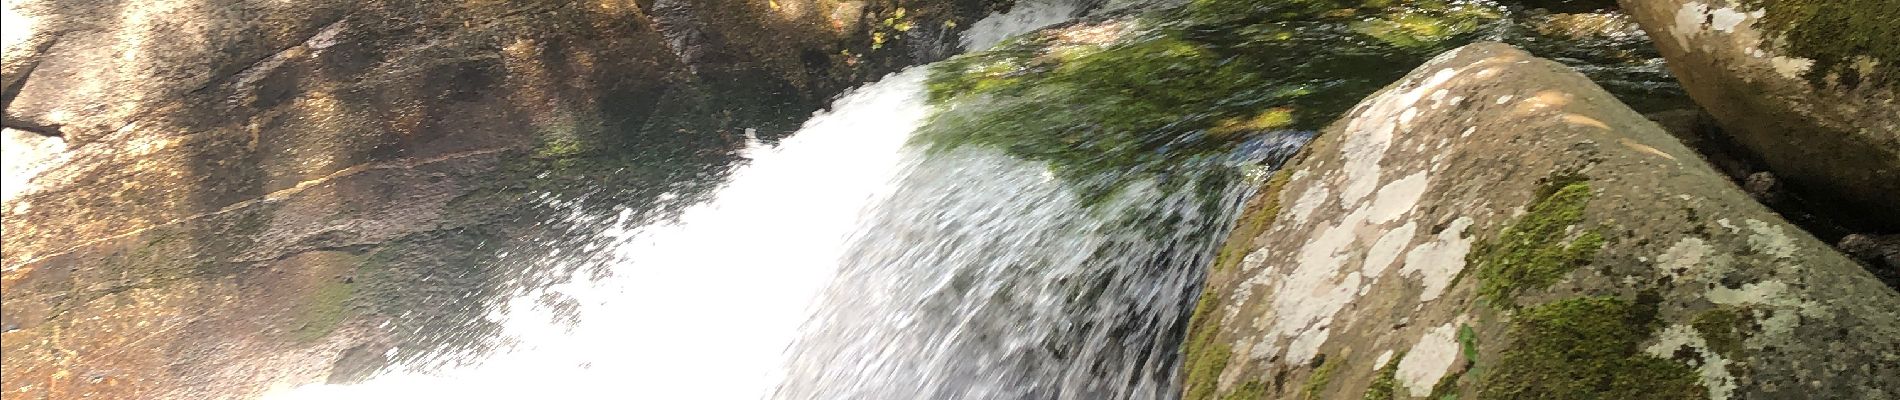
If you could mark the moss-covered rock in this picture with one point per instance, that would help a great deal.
(1587, 348)
(1538, 249)
(1108, 98)
(1126, 96)
(1810, 87)
(213, 164)
(1491, 195)
(1385, 381)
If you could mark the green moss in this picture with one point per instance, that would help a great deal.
(1539, 248)
(1385, 384)
(1427, 27)
(324, 310)
(1188, 83)
(1260, 213)
(1724, 329)
(1105, 104)
(1447, 387)
(1204, 370)
(1468, 342)
(559, 147)
(1252, 390)
(1836, 32)
(1205, 359)
(1316, 384)
(1566, 6)
(1586, 348)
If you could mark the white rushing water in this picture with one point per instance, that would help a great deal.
(1025, 16)
(985, 277)
(703, 306)
(699, 308)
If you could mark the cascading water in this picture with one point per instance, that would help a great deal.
(700, 307)
(843, 264)
(985, 277)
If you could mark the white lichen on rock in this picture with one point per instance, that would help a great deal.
(1437, 262)
(1387, 249)
(1769, 239)
(1429, 360)
(1711, 366)
(1310, 200)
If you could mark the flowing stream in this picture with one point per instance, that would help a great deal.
(843, 263)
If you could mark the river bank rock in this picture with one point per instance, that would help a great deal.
(1812, 87)
(225, 197)
(1496, 226)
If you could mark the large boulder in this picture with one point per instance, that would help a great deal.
(1812, 87)
(1495, 225)
(208, 199)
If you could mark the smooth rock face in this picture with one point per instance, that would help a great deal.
(243, 194)
(1813, 87)
(1495, 225)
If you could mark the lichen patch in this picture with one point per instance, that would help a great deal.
(1387, 249)
(1712, 366)
(1429, 360)
(1770, 239)
(1791, 67)
(1688, 21)
(1398, 198)
(1369, 136)
(1437, 262)
(1310, 200)
(1683, 257)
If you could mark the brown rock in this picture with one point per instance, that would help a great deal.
(1495, 225)
(1812, 87)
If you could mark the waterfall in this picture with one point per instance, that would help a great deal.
(984, 277)
(843, 264)
(701, 306)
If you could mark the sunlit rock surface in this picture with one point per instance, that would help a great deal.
(1495, 225)
(209, 199)
(1812, 87)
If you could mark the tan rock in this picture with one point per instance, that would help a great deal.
(1813, 87)
(1496, 225)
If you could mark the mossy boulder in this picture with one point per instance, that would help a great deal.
(1494, 225)
(1812, 87)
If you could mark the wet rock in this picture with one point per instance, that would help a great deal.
(358, 364)
(1495, 225)
(1763, 186)
(1566, 6)
(1812, 87)
(219, 166)
(1880, 252)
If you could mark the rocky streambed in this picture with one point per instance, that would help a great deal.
(1514, 199)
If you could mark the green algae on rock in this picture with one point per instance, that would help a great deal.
(1126, 96)
(1838, 35)
(1316, 383)
(1540, 248)
(1109, 98)
(1385, 382)
(1586, 348)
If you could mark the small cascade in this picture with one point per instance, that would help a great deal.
(847, 263)
(699, 305)
(985, 277)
